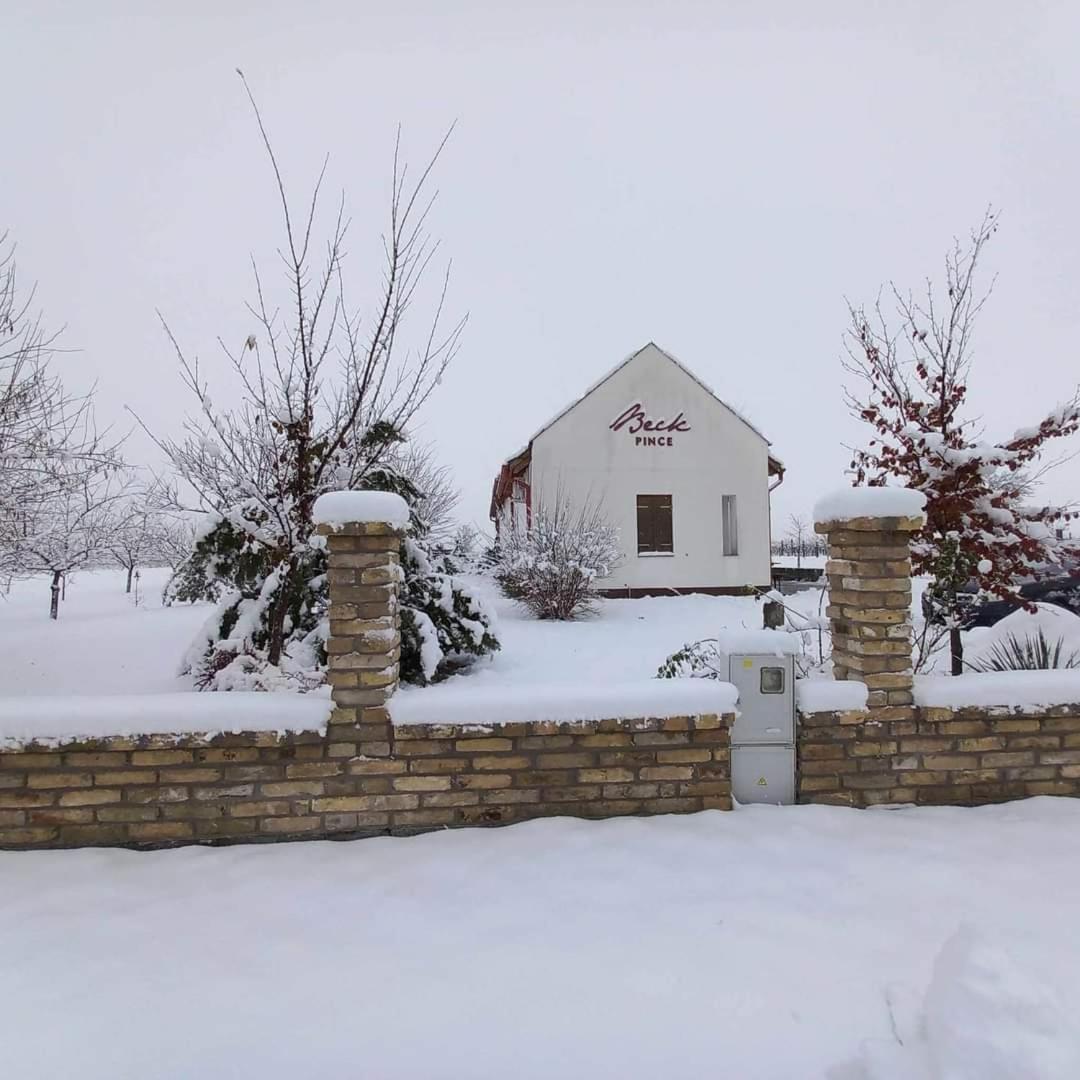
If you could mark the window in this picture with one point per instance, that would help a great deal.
(654, 525)
(731, 525)
(772, 680)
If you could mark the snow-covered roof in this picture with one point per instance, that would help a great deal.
(615, 370)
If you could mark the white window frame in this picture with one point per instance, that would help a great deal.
(729, 523)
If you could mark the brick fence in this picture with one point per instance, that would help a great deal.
(894, 751)
(938, 756)
(365, 775)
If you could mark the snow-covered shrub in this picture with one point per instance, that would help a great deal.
(695, 660)
(703, 659)
(443, 625)
(1027, 653)
(552, 565)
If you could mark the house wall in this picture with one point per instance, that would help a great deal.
(720, 455)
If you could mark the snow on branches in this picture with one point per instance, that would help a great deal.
(325, 401)
(57, 473)
(912, 370)
(552, 565)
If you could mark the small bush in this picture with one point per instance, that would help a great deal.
(1027, 653)
(553, 565)
(696, 660)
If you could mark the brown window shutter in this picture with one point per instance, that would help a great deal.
(654, 524)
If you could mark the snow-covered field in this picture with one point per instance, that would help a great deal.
(624, 642)
(791, 943)
(101, 644)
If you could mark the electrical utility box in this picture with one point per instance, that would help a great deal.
(763, 738)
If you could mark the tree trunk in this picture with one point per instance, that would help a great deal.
(276, 617)
(54, 605)
(956, 649)
(63, 586)
(131, 570)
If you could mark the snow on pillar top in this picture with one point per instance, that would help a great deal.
(338, 508)
(893, 509)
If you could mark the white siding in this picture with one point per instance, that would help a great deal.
(720, 455)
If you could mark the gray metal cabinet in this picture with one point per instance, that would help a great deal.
(763, 738)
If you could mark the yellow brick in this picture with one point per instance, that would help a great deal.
(90, 797)
(59, 779)
(161, 757)
(365, 802)
(508, 762)
(294, 787)
(125, 776)
(290, 825)
(682, 757)
(667, 772)
(421, 783)
(260, 808)
(160, 830)
(480, 745)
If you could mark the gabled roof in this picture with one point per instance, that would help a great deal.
(775, 465)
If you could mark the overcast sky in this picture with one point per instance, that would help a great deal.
(715, 177)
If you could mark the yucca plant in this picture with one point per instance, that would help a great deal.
(1027, 653)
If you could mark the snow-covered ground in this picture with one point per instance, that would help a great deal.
(624, 642)
(101, 644)
(792, 943)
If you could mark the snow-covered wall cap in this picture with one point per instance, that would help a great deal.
(830, 695)
(56, 720)
(851, 504)
(740, 642)
(361, 507)
(456, 702)
(1025, 691)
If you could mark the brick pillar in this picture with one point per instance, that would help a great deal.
(364, 571)
(869, 577)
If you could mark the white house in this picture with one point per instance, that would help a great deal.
(684, 477)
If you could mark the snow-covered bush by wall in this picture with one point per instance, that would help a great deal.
(804, 636)
(552, 566)
(1043, 639)
(444, 625)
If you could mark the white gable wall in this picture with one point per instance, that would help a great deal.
(719, 455)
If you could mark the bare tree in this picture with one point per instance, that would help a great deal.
(146, 534)
(54, 464)
(72, 529)
(798, 531)
(437, 497)
(326, 397)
